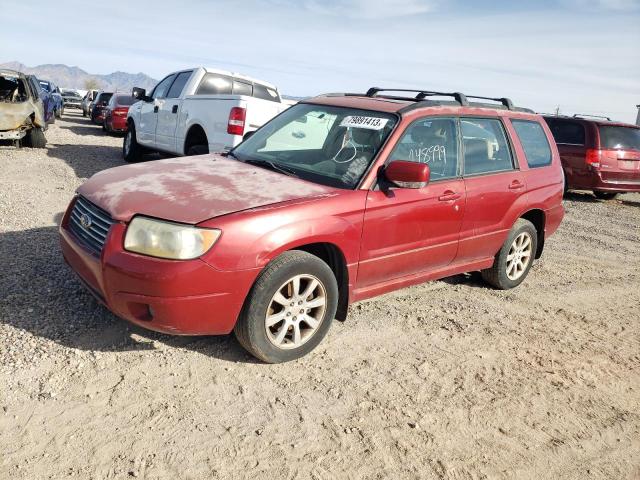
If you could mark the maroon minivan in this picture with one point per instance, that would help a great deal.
(340, 198)
(598, 154)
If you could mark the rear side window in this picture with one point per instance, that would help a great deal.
(566, 132)
(534, 142)
(485, 146)
(265, 93)
(215, 84)
(125, 100)
(178, 85)
(623, 138)
(242, 88)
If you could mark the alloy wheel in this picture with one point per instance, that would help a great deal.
(519, 256)
(295, 311)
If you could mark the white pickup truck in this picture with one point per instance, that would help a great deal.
(198, 111)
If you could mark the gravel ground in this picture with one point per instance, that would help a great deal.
(447, 380)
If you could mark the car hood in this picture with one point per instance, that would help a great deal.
(192, 189)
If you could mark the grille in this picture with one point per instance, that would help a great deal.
(93, 231)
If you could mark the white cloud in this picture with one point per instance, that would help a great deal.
(611, 5)
(371, 9)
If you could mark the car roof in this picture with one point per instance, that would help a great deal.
(596, 121)
(402, 106)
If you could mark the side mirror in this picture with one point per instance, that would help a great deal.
(407, 174)
(140, 94)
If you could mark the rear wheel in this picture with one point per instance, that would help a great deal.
(566, 184)
(131, 150)
(289, 308)
(35, 138)
(605, 195)
(514, 260)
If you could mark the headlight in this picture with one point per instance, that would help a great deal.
(162, 239)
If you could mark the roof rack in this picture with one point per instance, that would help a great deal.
(582, 115)
(461, 98)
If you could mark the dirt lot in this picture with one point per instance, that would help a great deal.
(448, 380)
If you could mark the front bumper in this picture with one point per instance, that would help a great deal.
(13, 134)
(175, 297)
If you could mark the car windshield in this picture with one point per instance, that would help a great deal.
(620, 138)
(328, 145)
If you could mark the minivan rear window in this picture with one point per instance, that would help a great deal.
(619, 138)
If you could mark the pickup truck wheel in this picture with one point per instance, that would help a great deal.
(35, 138)
(131, 149)
(289, 309)
(198, 150)
(514, 260)
(605, 195)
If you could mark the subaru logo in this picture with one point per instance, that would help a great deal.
(85, 221)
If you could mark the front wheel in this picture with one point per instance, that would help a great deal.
(605, 195)
(289, 309)
(513, 262)
(35, 138)
(131, 149)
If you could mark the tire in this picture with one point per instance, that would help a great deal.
(566, 184)
(198, 150)
(104, 126)
(35, 139)
(56, 113)
(605, 195)
(276, 343)
(84, 112)
(501, 275)
(131, 150)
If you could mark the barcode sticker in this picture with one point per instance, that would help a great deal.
(357, 121)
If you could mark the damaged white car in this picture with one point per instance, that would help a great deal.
(22, 112)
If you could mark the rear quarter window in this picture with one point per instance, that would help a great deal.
(215, 84)
(265, 93)
(534, 142)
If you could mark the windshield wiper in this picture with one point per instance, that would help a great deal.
(272, 166)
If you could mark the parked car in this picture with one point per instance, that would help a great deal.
(72, 99)
(99, 104)
(197, 111)
(115, 113)
(56, 102)
(598, 154)
(22, 110)
(87, 102)
(340, 198)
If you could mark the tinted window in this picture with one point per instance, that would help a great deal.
(178, 85)
(566, 132)
(104, 97)
(534, 142)
(265, 93)
(242, 88)
(485, 146)
(161, 89)
(214, 84)
(125, 100)
(625, 138)
(433, 141)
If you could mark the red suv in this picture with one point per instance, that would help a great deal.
(115, 113)
(598, 154)
(339, 198)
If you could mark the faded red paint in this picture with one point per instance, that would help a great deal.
(388, 238)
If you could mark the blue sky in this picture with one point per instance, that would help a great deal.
(580, 55)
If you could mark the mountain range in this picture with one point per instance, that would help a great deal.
(73, 77)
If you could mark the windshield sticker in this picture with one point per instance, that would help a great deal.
(370, 123)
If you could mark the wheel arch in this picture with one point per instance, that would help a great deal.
(196, 135)
(538, 218)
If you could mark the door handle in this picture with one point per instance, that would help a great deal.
(174, 109)
(155, 109)
(516, 185)
(449, 195)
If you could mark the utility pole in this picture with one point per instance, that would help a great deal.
(638, 117)
(557, 110)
